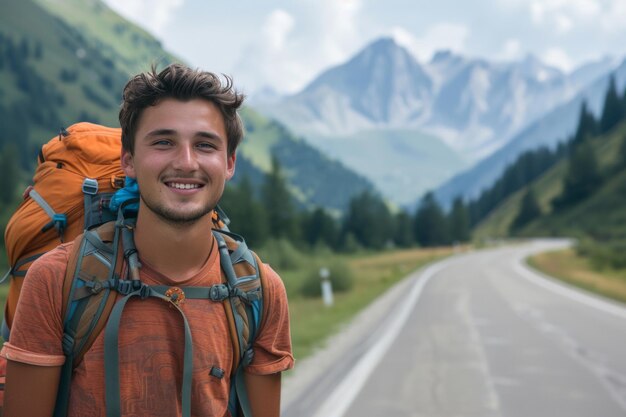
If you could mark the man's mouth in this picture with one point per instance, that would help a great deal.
(183, 186)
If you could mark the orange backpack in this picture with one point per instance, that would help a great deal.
(76, 174)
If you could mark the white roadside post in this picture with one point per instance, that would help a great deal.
(327, 288)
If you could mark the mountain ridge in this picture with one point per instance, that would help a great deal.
(474, 106)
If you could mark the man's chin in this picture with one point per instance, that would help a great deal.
(179, 217)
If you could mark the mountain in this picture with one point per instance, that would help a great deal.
(552, 128)
(383, 86)
(67, 61)
(473, 106)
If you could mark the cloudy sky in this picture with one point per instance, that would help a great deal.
(286, 43)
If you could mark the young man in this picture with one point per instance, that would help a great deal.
(180, 130)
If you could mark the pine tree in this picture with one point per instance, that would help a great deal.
(459, 221)
(612, 111)
(582, 178)
(403, 235)
(622, 153)
(278, 203)
(369, 221)
(320, 227)
(587, 125)
(529, 210)
(9, 173)
(247, 215)
(431, 228)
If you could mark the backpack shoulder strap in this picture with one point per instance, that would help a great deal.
(244, 309)
(94, 262)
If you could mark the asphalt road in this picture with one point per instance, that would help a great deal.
(478, 334)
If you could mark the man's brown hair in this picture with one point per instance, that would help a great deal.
(182, 83)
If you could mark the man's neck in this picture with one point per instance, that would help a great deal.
(176, 251)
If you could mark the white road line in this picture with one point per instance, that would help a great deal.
(569, 292)
(340, 400)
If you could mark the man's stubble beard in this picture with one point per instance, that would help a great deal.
(176, 218)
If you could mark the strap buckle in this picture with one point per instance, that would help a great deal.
(124, 287)
(175, 296)
(90, 186)
(219, 292)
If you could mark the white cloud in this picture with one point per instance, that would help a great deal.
(277, 27)
(558, 58)
(613, 20)
(563, 23)
(291, 52)
(439, 36)
(153, 15)
(511, 50)
(563, 13)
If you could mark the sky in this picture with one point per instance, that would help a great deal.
(285, 44)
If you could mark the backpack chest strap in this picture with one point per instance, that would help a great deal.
(217, 292)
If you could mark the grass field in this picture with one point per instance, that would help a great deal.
(578, 271)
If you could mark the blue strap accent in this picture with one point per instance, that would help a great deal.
(59, 222)
(129, 192)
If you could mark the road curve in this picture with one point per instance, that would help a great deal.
(478, 334)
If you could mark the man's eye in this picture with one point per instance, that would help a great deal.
(206, 145)
(162, 142)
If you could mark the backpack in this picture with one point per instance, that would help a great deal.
(99, 256)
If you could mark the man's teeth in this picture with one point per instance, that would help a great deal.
(183, 186)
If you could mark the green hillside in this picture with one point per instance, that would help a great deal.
(52, 75)
(131, 48)
(67, 61)
(600, 216)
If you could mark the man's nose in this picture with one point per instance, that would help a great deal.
(186, 158)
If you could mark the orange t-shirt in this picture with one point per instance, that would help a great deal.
(151, 342)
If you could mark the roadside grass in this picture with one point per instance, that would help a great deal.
(312, 322)
(579, 271)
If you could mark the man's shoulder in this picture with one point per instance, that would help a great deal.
(273, 285)
(54, 259)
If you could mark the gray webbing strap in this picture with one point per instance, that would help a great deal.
(225, 261)
(242, 393)
(44, 205)
(111, 355)
(14, 271)
(90, 189)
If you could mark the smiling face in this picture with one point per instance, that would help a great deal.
(180, 159)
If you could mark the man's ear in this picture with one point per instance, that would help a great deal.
(230, 165)
(128, 165)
